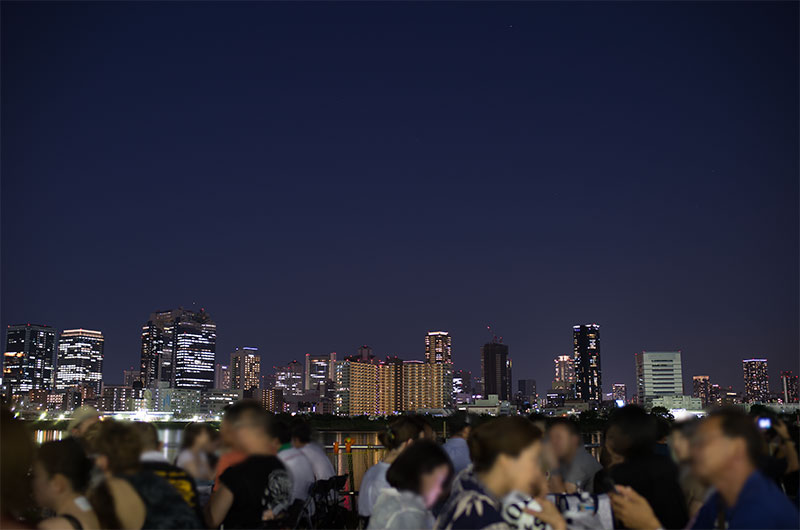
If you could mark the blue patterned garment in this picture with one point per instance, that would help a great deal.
(471, 507)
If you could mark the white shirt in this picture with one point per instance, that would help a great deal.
(153, 456)
(320, 463)
(299, 467)
(400, 510)
(372, 484)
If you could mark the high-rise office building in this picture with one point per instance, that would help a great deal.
(526, 388)
(564, 378)
(495, 368)
(756, 380)
(290, 378)
(588, 372)
(222, 376)
(245, 369)
(157, 348)
(272, 399)
(701, 388)
(178, 348)
(390, 386)
(619, 391)
(462, 382)
(29, 359)
(80, 359)
(658, 374)
(356, 388)
(789, 387)
(320, 369)
(438, 347)
(195, 349)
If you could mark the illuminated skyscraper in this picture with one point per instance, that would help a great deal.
(701, 388)
(564, 378)
(390, 386)
(437, 347)
(320, 369)
(495, 370)
(789, 387)
(756, 380)
(526, 388)
(290, 378)
(658, 374)
(356, 388)
(80, 359)
(195, 348)
(588, 372)
(29, 358)
(245, 369)
(157, 348)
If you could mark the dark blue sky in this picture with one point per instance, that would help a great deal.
(318, 176)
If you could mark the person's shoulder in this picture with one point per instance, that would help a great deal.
(707, 513)
(473, 509)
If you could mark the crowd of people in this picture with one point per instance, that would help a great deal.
(257, 471)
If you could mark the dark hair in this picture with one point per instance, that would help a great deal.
(631, 431)
(193, 431)
(508, 435)
(537, 416)
(459, 421)
(400, 431)
(117, 441)
(734, 423)
(301, 430)
(16, 456)
(687, 428)
(66, 457)
(236, 410)
(148, 434)
(570, 425)
(278, 429)
(420, 458)
(663, 426)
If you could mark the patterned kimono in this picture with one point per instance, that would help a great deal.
(471, 506)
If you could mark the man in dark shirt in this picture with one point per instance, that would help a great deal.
(152, 459)
(256, 490)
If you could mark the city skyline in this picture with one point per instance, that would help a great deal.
(361, 173)
(222, 360)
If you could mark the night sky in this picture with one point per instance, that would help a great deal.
(320, 176)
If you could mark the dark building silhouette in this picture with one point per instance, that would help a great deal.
(496, 370)
(588, 373)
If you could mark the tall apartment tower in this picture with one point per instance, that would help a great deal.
(29, 358)
(756, 380)
(438, 347)
(658, 374)
(588, 372)
(222, 376)
(789, 387)
(245, 369)
(80, 359)
(701, 388)
(495, 370)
